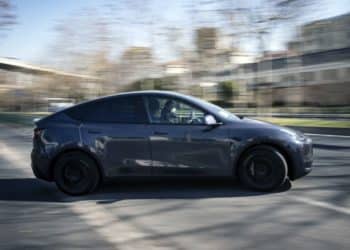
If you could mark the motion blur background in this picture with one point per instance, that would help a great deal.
(267, 58)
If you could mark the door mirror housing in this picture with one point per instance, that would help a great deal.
(211, 121)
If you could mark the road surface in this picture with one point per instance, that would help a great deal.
(313, 214)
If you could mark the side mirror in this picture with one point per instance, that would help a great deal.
(211, 121)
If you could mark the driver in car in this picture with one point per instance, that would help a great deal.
(168, 113)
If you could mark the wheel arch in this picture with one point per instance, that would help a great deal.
(80, 150)
(282, 149)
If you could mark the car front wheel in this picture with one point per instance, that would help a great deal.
(76, 173)
(263, 168)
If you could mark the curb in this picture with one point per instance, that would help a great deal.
(322, 130)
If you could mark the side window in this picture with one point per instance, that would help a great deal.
(128, 110)
(166, 110)
(111, 110)
(89, 112)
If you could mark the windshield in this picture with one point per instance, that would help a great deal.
(222, 113)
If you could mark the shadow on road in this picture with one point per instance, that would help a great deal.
(331, 147)
(31, 189)
(27, 189)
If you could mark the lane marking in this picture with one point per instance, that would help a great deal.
(322, 204)
(326, 135)
(13, 156)
(114, 229)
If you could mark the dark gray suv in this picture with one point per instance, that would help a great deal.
(157, 133)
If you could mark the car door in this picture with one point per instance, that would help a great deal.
(117, 130)
(181, 143)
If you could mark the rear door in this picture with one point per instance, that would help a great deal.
(117, 130)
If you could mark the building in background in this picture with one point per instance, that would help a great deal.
(206, 40)
(28, 87)
(322, 35)
(136, 63)
(212, 54)
(177, 67)
(314, 71)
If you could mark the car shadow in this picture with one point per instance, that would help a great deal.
(31, 189)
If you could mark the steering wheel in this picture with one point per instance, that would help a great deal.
(197, 120)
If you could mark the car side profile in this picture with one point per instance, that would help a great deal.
(160, 133)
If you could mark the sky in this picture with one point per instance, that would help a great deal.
(34, 34)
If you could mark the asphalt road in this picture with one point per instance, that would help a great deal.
(312, 214)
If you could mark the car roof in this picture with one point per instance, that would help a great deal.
(145, 92)
(132, 93)
(148, 92)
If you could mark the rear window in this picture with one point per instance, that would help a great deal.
(110, 110)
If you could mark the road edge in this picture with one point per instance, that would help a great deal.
(322, 130)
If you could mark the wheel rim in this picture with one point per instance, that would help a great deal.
(75, 175)
(259, 170)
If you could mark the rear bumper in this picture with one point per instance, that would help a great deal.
(40, 166)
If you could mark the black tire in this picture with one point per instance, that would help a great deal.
(75, 173)
(263, 168)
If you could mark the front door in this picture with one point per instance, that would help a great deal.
(181, 143)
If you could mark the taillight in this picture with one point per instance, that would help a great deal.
(38, 132)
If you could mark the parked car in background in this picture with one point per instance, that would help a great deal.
(57, 104)
(157, 133)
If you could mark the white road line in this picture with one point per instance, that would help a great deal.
(18, 130)
(119, 233)
(13, 156)
(326, 135)
(322, 204)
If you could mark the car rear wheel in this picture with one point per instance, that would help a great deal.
(76, 173)
(263, 168)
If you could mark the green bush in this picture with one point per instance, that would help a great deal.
(228, 90)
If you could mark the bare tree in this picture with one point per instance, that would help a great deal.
(258, 21)
(79, 39)
(7, 16)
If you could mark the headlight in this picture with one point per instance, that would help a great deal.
(295, 134)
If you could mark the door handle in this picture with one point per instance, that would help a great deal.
(94, 132)
(160, 133)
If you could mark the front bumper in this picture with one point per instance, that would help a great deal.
(302, 159)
